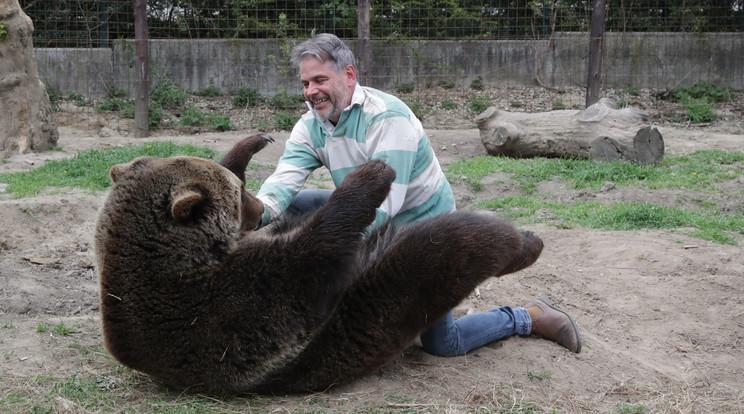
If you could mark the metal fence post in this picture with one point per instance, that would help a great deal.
(142, 59)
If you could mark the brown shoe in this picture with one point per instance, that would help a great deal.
(553, 324)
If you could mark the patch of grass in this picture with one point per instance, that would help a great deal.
(705, 224)
(477, 84)
(536, 376)
(210, 91)
(115, 104)
(283, 100)
(405, 87)
(245, 98)
(558, 105)
(89, 169)
(417, 108)
(78, 99)
(7, 325)
(3, 32)
(449, 105)
(42, 327)
(700, 171)
(192, 116)
(285, 121)
(446, 84)
(702, 90)
(63, 330)
(625, 408)
(632, 91)
(478, 104)
(55, 96)
(700, 110)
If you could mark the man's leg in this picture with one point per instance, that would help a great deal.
(309, 200)
(450, 337)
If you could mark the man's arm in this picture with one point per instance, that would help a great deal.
(296, 163)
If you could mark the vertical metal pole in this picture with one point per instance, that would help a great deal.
(365, 49)
(103, 38)
(596, 48)
(142, 63)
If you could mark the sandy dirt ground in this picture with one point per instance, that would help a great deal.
(661, 314)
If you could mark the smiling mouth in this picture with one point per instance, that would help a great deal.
(319, 101)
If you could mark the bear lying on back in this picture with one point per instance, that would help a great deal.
(192, 296)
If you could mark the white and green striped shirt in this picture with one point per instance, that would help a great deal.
(375, 126)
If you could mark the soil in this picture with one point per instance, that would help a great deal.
(661, 313)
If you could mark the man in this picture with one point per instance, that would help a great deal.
(346, 126)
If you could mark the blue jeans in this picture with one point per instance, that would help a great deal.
(447, 336)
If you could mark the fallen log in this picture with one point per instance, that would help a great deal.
(599, 132)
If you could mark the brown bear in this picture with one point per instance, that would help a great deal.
(193, 296)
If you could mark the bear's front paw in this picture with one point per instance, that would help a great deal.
(373, 178)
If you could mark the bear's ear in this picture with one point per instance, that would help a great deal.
(185, 204)
(117, 171)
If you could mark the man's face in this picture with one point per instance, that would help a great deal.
(328, 90)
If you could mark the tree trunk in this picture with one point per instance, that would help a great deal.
(26, 122)
(599, 132)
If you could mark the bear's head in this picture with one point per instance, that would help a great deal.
(178, 215)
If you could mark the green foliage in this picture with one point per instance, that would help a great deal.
(478, 104)
(406, 87)
(477, 84)
(283, 100)
(702, 90)
(168, 94)
(417, 108)
(89, 169)
(210, 91)
(55, 96)
(78, 99)
(63, 330)
(558, 105)
(700, 111)
(113, 104)
(449, 105)
(192, 116)
(3, 32)
(625, 408)
(244, 98)
(116, 92)
(42, 327)
(535, 376)
(632, 91)
(446, 84)
(285, 121)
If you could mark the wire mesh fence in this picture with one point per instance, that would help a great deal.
(240, 48)
(95, 23)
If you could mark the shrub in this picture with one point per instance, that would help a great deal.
(168, 95)
(406, 87)
(702, 90)
(478, 104)
(244, 98)
(285, 121)
(284, 100)
(446, 84)
(700, 110)
(54, 97)
(449, 105)
(477, 84)
(558, 105)
(210, 91)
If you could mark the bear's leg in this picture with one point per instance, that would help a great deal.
(415, 278)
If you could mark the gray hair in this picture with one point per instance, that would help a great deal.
(324, 47)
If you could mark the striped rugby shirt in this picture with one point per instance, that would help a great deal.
(375, 126)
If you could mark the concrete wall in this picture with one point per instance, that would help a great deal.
(654, 60)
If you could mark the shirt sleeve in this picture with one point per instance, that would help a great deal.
(297, 162)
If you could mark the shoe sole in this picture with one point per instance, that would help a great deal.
(548, 303)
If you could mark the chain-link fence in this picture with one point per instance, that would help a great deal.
(241, 48)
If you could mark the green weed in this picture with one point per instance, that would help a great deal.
(168, 94)
(449, 105)
(406, 87)
(478, 104)
(192, 116)
(446, 84)
(285, 121)
(244, 98)
(625, 408)
(210, 91)
(477, 84)
(558, 105)
(284, 100)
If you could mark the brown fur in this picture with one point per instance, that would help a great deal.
(195, 298)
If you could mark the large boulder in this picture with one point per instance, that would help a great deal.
(26, 122)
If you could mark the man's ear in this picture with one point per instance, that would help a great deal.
(351, 75)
